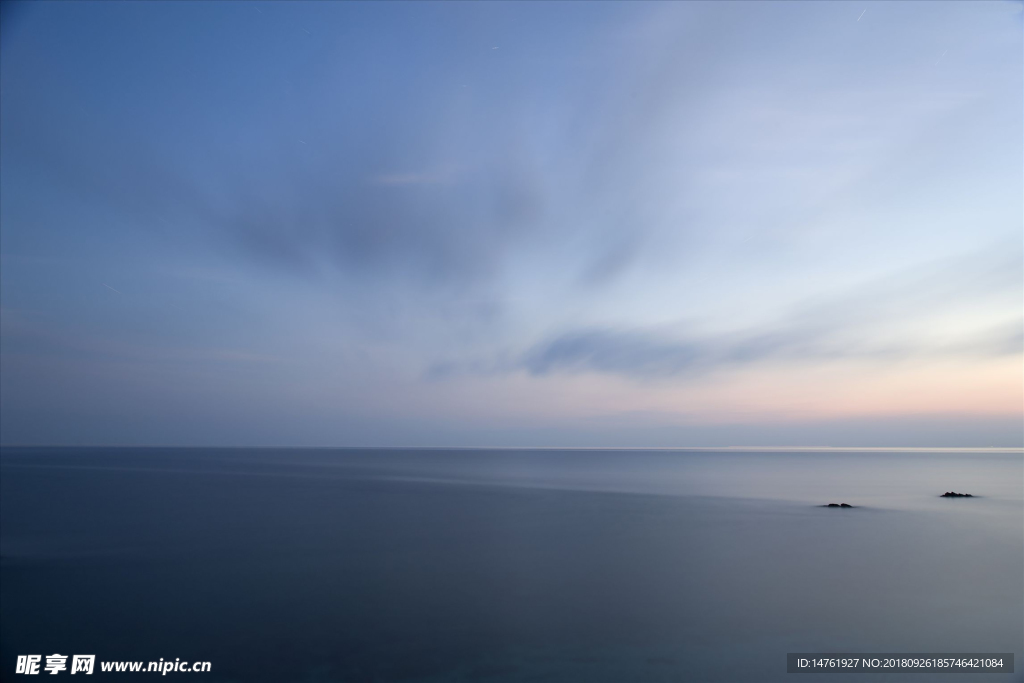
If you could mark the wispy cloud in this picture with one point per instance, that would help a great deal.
(423, 178)
(649, 355)
(905, 316)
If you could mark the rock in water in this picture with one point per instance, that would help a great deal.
(837, 505)
(954, 494)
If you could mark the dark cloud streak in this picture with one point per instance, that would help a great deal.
(841, 327)
(649, 355)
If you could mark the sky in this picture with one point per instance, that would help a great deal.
(512, 224)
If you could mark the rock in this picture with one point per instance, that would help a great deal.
(954, 494)
(837, 505)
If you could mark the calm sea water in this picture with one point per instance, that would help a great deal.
(430, 565)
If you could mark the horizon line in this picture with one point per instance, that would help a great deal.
(884, 449)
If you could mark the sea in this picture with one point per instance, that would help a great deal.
(359, 565)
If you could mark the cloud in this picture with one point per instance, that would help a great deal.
(424, 178)
(647, 355)
(554, 153)
(917, 313)
(595, 150)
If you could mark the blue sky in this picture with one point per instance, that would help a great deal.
(512, 224)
